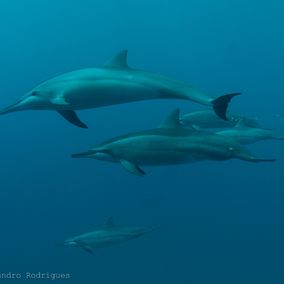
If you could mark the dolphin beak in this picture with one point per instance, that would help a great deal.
(22, 104)
(92, 154)
(253, 159)
(150, 230)
(81, 155)
(147, 231)
(261, 160)
(29, 101)
(11, 108)
(70, 242)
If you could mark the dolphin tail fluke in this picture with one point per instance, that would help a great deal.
(72, 117)
(220, 105)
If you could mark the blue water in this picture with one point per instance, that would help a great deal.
(216, 222)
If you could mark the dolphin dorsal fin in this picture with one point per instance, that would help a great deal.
(108, 225)
(172, 121)
(118, 61)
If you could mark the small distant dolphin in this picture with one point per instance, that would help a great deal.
(113, 83)
(169, 144)
(108, 235)
(249, 135)
(209, 119)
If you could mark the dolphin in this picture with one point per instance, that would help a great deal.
(108, 235)
(209, 119)
(113, 83)
(249, 135)
(170, 144)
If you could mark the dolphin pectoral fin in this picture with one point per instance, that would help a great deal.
(72, 117)
(85, 247)
(118, 61)
(132, 168)
(221, 104)
(196, 127)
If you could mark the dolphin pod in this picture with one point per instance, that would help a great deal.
(108, 235)
(178, 140)
(169, 144)
(113, 83)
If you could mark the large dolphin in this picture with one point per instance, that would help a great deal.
(108, 235)
(248, 135)
(209, 119)
(169, 144)
(113, 83)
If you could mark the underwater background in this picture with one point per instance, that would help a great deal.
(217, 222)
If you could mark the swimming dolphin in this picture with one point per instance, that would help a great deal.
(113, 83)
(169, 144)
(108, 235)
(248, 135)
(209, 119)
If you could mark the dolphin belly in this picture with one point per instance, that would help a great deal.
(163, 158)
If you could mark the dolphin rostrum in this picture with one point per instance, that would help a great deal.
(169, 144)
(109, 234)
(113, 83)
(248, 135)
(209, 119)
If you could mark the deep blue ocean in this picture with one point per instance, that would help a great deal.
(217, 222)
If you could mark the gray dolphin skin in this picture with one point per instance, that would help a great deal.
(108, 235)
(249, 135)
(113, 83)
(209, 119)
(170, 144)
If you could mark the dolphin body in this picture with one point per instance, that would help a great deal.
(249, 135)
(108, 235)
(209, 119)
(113, 83)
(170, 144)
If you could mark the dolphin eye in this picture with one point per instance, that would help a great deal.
(34, 93)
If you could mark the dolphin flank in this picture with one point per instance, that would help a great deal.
(248, 135)
(170, 144)
(108, 235)
(113, 83)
